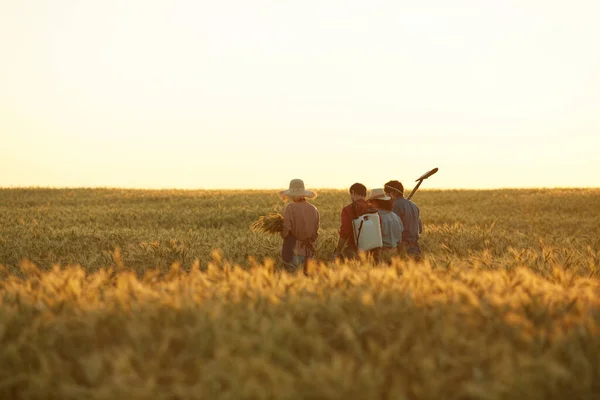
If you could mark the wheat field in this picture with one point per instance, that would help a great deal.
(109, 294)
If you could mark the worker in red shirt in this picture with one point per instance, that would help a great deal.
(346, 246)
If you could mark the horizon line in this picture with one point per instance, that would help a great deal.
(273, 189)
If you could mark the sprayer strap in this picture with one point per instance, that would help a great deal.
(359, 230)
(354, 209)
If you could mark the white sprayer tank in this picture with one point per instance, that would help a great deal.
(367, 232)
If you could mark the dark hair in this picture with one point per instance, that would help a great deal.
(394, 186)
(387, 205)
(358, 189)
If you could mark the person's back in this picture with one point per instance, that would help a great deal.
(409, 213)
(391, 225)
(346, 243)
(391, 228)
(350, 213)
(300, 226)
(301, 219)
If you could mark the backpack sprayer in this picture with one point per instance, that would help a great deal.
(420, 180)
(367, 227)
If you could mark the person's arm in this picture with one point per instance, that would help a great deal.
(419, 219)
(315, 235)
(401, 226)
(318, 224)
(287, 222)
(340, 246)
(344, 233)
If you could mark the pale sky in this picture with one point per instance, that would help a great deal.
(253, 93)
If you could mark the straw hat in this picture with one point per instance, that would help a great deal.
(378, 194)
(297, 190)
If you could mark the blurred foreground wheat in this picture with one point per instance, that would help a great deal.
(347, 331)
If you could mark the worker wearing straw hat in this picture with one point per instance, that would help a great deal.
(391, 224)
(300, 226)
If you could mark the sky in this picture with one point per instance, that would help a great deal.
(251, 94)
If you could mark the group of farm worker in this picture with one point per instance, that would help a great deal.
(399, 223)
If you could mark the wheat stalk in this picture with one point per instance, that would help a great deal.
(271, 223)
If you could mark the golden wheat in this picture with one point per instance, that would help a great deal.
(127, 298)
(345, 331)
(271, 223)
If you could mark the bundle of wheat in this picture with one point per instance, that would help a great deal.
(271, 223)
